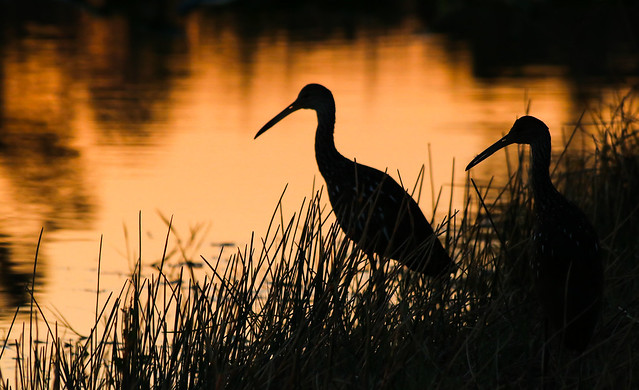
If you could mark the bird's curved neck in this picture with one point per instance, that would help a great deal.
(325, 151)
(544, 191)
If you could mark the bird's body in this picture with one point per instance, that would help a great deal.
(570, 280)
(371, 208)
(567, 258)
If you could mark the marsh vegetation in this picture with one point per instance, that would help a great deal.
(299, 307)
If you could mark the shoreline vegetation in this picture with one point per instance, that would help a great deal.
(300, 307)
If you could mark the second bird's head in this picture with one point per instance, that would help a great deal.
(525, 130)
(312, 96)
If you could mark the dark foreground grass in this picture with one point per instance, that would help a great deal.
(300, 308)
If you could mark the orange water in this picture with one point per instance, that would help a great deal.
(100, 122)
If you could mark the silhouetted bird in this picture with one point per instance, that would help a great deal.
(372, 209)
(567, 257)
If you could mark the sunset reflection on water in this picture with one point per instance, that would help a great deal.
(100, 121)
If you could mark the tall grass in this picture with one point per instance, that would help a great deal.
(300, 308)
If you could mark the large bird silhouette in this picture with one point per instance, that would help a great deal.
(372, 209)
(567, 258)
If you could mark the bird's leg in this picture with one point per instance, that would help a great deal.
(377, 278)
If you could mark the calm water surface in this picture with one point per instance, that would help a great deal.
(101, 120)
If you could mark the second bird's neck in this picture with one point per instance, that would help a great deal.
(544, 191)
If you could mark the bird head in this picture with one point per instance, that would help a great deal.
(312, 96)
(525, 130)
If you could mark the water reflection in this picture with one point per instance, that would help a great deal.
(13, 280)
(100, 118)
(128, 78)
(43, 183)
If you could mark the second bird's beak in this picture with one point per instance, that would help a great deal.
(504, 141)
(285, 112)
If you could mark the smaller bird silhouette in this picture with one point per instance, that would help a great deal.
(371, 208)
(567, 257)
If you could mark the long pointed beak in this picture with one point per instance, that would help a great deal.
(504, 141)
(285, 112)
